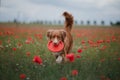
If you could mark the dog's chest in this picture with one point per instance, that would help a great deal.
(57, 53)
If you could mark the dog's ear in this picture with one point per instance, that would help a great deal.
(49, 34)
(63, 34)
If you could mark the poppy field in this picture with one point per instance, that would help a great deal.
(24, 54)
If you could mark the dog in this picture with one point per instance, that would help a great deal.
(64, 35)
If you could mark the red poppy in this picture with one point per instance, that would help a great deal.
(102, 60)
(113, 38)
(1, 33)
(78, 35)
(22, 76)
(28, 53)
(83, 42)
(79, 50)
(39, 36)
(70, 57)
(108, 41)
(74, 72)
(78, 56)
(29, 40)
(19, 44)
(119, 59)
(16, 36)
(37, 59)
(90, 42)
(102, 77)
(103, 47)
(14, 49)
(100, 41)
(63, 78)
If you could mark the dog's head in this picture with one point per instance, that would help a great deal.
(56, 35)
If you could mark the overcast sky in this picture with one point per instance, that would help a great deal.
(31, 10)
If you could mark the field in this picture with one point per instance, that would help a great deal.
(96, 52)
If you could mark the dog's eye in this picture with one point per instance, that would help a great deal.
(58, 37)
(54, 36)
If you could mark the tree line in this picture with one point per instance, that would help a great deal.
(59, 22)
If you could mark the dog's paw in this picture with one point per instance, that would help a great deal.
(59, 59)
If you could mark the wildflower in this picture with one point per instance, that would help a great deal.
(78, 56)
(113, 38)
(102, 77)
(79, 50)
(108, 41)
(78, 35)
(63, 78)
(100, 41)
(39, 36)
(74, 72)
(90, 42)
(37, 59)
(19, 44)
(14, 49)
(29, 40)
(28, 53)
(103, 47)
(70, 57)
(102, 60)
(119, 59)
(83, 42)
(1, 33)
(16, 36)
(22, 76)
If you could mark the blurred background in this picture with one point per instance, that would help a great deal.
(85, 12)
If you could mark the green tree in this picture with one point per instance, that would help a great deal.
(76, 22)
(59, 22)
(95, 22)
(88, 22)
(82, 22)
(102, 22)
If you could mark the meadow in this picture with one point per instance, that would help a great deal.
(96, 52)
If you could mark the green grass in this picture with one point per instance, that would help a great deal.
(90, 66)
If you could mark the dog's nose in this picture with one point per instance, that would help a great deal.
(55, 41)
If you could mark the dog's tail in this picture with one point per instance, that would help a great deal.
(68, 21)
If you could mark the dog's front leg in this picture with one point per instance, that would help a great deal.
(64, 56)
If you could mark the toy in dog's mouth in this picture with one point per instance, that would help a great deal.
(55, 47)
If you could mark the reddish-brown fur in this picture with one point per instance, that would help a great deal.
(63, 35)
